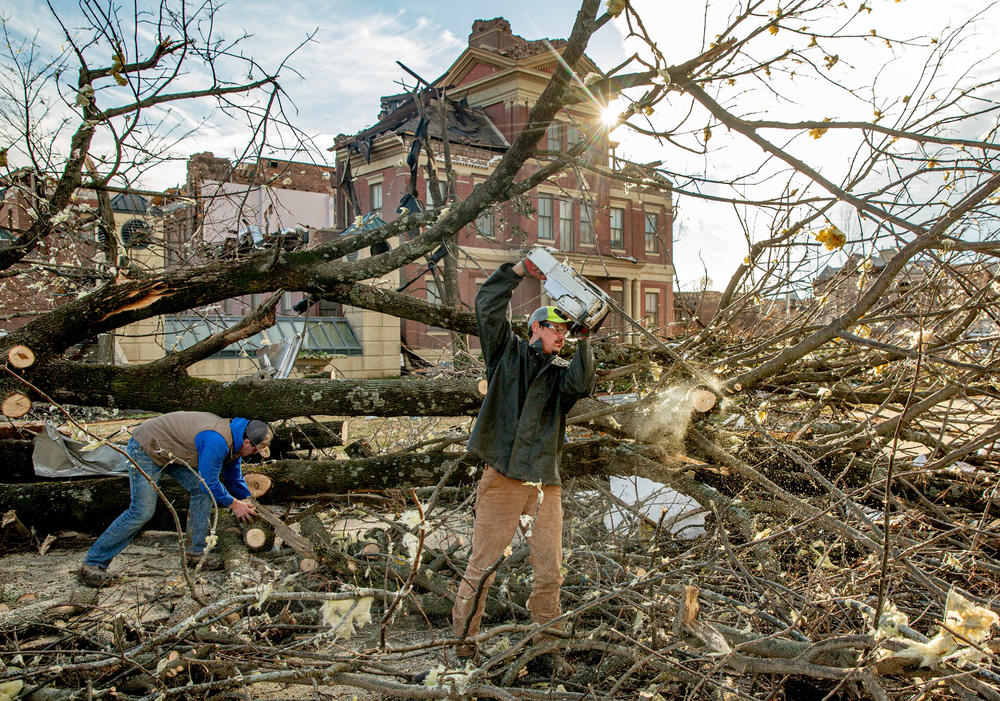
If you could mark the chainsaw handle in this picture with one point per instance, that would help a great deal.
(530, 268)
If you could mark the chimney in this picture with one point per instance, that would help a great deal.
(491, 34)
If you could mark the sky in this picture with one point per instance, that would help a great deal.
(332, 84)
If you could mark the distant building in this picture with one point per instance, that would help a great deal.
(924, 292)
(617, 235)
(226, 211)
(62, 264)
(693, 311)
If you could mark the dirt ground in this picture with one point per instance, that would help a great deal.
(148, 588)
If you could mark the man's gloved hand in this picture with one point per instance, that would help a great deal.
(584, 331)
(242, 510)
(526, 267)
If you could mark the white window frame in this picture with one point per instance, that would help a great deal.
(619, 242)
(546, 230)
(375, 197)
(652, 317)
(567, 232)
(587, 237)
(652, 228)
(553, 137)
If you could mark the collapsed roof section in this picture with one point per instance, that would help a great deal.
(466, 125)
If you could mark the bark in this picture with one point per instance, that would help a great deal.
(93, 503)
(308, 436)
(44, 612)
(268, 400)
(88, 505)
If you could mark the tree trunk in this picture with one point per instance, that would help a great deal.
(308, 436)
(268, 400)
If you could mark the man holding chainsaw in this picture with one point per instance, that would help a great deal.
(519, 434)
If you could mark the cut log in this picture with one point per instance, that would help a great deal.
(258, 537)
(21, 357)
(234, 554)
(91, 504)
(325, 547)
(15, 405)
(307, 564)
(45, 612)
(483, 386)
(258, 484)
(702, 400)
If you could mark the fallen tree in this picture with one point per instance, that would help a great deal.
(844, 484)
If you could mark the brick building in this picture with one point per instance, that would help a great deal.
(618, 236)
(227, 210)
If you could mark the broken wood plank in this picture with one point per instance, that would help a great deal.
(296, 542)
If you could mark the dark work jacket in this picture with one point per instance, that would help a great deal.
(522, 422)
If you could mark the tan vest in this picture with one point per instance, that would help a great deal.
(170, 438)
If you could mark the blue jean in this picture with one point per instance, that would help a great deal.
(124, 528)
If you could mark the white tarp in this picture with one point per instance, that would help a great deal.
(682, 515)
(56, 455)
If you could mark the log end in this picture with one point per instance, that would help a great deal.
(255, 538)
(257, 483)
(15, 405)
(702, 400)
(21, 357)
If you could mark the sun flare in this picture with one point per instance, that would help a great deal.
(610, 115)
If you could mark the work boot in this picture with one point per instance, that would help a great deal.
(208, 561)
(551, 665)
(93, 576)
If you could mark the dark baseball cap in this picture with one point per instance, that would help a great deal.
(260, 434)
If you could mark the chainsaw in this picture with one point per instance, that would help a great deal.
(586, 305)
(581, 301)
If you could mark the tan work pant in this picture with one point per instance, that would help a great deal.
(500, 502)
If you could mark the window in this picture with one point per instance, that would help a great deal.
(434, 297)
(553, 140)
(375, 197)
(652, 240)
(617, 227)
(573, 135)
(618, 295)
(586, 224)
(566, 234)
(652, 309)
(433, 293)
(545, 232)
(484, 222)
(442, 188)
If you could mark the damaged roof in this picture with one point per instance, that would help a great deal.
(467, 125)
